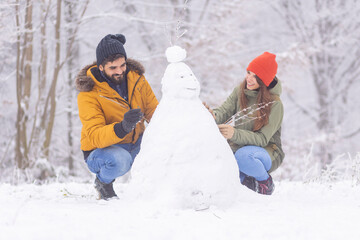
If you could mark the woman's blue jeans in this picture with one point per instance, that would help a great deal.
(113, 161)
(253, 161)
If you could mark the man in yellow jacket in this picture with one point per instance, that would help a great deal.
(114, 101)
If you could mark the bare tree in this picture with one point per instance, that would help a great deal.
(39, 123)
(23, 80)
(42, 79)
(327, 34)
(48, 116)
(72, 19)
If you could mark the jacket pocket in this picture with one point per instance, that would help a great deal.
(275, 154)
(112, 100)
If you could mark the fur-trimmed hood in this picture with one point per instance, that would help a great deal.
(85, 83)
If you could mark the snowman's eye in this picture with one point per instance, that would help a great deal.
(190, 74)
(182, 76)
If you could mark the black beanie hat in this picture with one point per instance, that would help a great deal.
(110, 45)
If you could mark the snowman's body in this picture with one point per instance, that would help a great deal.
(184, 160)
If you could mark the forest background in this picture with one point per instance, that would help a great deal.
(45, 43)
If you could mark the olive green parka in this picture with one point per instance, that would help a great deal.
(268, 137)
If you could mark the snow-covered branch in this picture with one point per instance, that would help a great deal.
(247, 114)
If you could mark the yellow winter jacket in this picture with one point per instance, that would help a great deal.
(101, 107)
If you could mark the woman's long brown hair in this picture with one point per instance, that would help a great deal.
(264, 97)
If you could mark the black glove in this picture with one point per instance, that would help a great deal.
(131, 117)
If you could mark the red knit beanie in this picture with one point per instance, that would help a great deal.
(265, 67)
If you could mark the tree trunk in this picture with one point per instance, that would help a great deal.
(23, 83)
(42, 76)
(52, 91)
(71, 18)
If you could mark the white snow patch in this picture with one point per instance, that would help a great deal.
(175, 54)
(184, 161)
(70, 211)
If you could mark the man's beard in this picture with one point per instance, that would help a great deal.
(116, 78)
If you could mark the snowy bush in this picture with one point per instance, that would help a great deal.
(308, 168)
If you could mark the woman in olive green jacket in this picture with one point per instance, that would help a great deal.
(251, 119)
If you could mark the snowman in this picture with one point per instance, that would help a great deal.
(184, 161)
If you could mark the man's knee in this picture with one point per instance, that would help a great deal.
(120, 161)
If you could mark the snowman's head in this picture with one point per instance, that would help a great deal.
(179, 81)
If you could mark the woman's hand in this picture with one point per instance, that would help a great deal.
(226, 130)
(210, 110)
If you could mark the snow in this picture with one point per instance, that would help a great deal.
(184, 184)
(179, 82)
(184, 160)
(175, 54)
(70, 211)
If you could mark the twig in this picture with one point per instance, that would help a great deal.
(179, 22)
(352, 134)
(237, 115)
(66, 193)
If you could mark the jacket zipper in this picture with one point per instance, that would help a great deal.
(130, 98)
(127, 104)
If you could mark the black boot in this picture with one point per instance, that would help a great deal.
(265, 187)
(249, 182)
(105, 190)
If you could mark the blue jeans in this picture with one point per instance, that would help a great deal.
(253, 161)
(113, 161)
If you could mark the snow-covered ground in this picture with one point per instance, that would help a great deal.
(181, 157)
(70, 211)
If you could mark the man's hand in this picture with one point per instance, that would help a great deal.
(210, 110)
(226, 130)
(131, 117)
